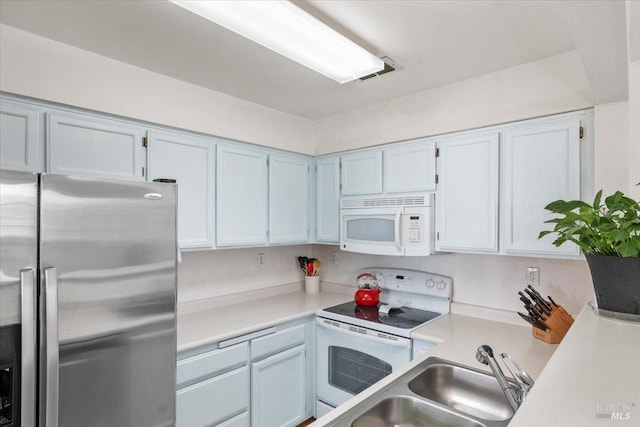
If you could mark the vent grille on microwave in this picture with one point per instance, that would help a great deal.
(417, 200)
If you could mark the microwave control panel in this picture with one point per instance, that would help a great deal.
(414, 229)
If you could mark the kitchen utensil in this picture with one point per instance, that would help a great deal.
(539, 298)
(368, 293)
(542, 306)
(535, 323)
(317, 264)
(302, 262)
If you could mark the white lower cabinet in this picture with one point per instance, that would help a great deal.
(212, 401)
(241, 420)
(214, 388)
(278, 389)
(260, 382)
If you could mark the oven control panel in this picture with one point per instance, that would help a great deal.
(411, 281)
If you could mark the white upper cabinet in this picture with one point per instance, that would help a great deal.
(410, 167)
(362, 172)
(328, 199)
(467, 193)
(189, 160)
(540, 164)
(84, 145)
(242, 191)
(19, 137)
(288, 199)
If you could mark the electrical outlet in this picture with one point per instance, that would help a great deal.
(334, 257)
(260, 260)
(533, 276)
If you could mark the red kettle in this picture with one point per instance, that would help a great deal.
(368, 293)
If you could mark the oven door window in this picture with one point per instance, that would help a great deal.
(353, 371)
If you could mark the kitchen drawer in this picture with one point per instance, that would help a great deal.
(241, 420)
(214, 400)
(276, 342)
(208, 364)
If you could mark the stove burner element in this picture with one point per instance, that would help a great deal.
(403, 318)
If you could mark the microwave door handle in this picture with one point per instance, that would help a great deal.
(398, 239)
(28, 345)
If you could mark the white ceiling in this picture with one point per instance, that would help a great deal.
(437, 42)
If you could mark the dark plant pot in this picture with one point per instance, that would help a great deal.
(616, 281)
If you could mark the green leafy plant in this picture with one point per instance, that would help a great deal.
(611, 228)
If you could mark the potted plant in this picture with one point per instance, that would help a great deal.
(608, 232)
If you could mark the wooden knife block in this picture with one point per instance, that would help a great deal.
(558, 322)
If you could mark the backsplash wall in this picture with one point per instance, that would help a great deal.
(208, 274)
(480, 280)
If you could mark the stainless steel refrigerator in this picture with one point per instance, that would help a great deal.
(87, 302)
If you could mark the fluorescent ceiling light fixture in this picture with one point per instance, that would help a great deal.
(290, 31)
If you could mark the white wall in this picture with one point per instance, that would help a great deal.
(480, 280)
(634, 122)
(208, 274)
(553, 85)
(38, 67)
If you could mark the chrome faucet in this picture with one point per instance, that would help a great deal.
(515, 394)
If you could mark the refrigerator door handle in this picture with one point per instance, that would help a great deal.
(28, 346)
(51, 355)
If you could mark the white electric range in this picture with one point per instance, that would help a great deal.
(358, 346)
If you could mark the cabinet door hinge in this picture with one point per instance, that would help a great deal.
(438, 235)
(581, 132)
(143, 171)
(437, 152)
(267, 161)
(437, 179)
(145, 142)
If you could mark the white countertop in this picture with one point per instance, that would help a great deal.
(596, 367)
(595, 370)
(206, 322)
(459, 337)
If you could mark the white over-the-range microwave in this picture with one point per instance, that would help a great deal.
(401, 225)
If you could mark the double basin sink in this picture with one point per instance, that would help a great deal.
(434, 393)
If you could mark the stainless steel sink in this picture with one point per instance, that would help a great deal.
(407, 411)
(463, 389)
(434, 393)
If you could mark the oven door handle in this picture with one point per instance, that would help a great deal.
(402, 342)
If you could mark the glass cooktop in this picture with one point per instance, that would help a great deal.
(404, 318)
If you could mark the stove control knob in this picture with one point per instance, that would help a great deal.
(441, 285)
(430, 283)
